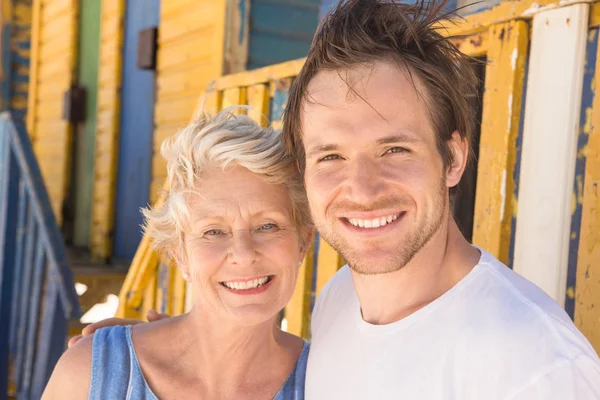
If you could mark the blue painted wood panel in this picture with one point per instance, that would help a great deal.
(280, 30)
(585, 126)
(135, 142)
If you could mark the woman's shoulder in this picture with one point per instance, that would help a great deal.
(72, 375)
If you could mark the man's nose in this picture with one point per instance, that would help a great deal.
(363, 183)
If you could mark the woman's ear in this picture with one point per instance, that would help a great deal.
(179, 258)
(459, 148)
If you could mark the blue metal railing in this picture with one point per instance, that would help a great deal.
(37, 294)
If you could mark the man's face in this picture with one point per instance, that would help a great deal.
(374, 176)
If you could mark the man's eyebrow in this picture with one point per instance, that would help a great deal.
(398, 138)
(321, 149)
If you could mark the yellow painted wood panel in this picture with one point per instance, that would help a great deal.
(53, 59)
(184, 81)
(186, 53)
(258, 100)
(587, 290)
(168, 8)
(54, 29)
(297, 311)
(191, 19)
(184, 45)
(179, 292)
(53, 8)
(234, 97)
(107, 127)
(329, 262)
(177, 110)
(504, 78)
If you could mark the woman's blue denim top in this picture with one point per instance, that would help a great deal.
(116, 372)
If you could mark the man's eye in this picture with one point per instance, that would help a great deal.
(397, 150)
(330, 157)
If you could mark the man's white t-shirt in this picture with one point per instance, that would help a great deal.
(493, 336)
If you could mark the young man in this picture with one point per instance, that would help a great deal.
(380, 121)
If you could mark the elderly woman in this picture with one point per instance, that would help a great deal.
(237, 224)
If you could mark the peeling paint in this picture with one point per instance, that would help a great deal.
(510, 103)
(513, 58)
(503, 194)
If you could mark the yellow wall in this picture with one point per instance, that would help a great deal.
(53, 56)
(107, 126)
(190, 54)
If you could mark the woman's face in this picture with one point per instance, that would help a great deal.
(242, 247)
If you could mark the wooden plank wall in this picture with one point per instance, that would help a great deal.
(107, 126)
(54, 31)
(191, 52)
(15, 39)
(587, 287)
(504, 79)
(549, 147)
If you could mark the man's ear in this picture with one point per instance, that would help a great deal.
(459, 147)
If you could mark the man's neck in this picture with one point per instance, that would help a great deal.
(442, 263)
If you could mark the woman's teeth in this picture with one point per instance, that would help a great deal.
(246, 285)
(373, 223)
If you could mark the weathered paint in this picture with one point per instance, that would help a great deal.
(133, 138)
(504, 80)
(15, 37)
(236, 36)
(549, 147)
(280, 30)
(50, 78)
(280, 90)
(85, 134)
(585, 126)
(191, 52)
(475, 45)
(587, 289)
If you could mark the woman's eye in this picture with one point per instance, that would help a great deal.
(267, 227)
(213, 232)
(329, 157)
(397, 150)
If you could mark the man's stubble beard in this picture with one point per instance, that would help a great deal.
(416, 239)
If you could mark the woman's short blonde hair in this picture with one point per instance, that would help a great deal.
(222, 140)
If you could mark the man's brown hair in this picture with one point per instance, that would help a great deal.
(360, 32)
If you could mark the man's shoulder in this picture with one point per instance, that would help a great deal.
(509, 312)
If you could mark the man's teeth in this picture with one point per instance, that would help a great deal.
(246, 285)
(373, 223)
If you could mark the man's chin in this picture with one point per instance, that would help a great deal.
(376, 265)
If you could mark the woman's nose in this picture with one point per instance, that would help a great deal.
(242, 250)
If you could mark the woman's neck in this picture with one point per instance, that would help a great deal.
(229, 358)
